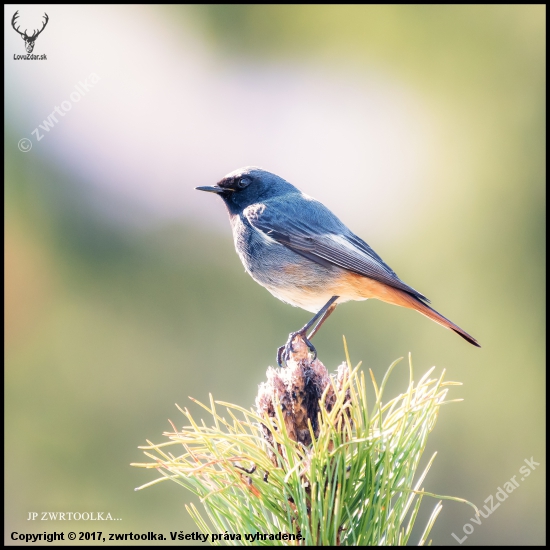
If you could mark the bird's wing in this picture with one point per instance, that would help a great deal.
(317, 234)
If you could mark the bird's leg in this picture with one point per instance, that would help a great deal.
(283, 353)
(322, 320)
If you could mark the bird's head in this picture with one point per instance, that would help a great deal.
(247, 186)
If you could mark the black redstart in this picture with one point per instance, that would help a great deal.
(304, 255)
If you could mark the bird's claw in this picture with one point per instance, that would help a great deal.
(284, 352)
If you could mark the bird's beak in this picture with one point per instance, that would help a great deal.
(214, 189)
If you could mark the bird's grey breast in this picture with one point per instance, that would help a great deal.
(287, 275)
(261, 255)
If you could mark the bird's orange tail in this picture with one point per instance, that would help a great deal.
(413, 303)
(356, 287)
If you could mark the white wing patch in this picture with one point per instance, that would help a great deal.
(255, 211)
(344, 243)
(265, 237)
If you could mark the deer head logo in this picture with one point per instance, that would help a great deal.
(29, 40)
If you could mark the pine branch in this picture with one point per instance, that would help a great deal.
(310, 465)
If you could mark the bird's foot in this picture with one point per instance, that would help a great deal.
(285, 352)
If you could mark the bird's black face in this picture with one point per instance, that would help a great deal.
(239, 189)
(247, 186)
(230, 189)
(235, 184)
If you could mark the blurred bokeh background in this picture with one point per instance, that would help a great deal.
(422, 127)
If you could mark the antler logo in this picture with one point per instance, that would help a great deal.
(29, 40)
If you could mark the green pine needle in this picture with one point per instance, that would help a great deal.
(356, 484)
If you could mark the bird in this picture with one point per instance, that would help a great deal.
(301, 252)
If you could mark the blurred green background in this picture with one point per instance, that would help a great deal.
(421, 126)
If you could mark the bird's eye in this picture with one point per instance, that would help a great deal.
(244, 182)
